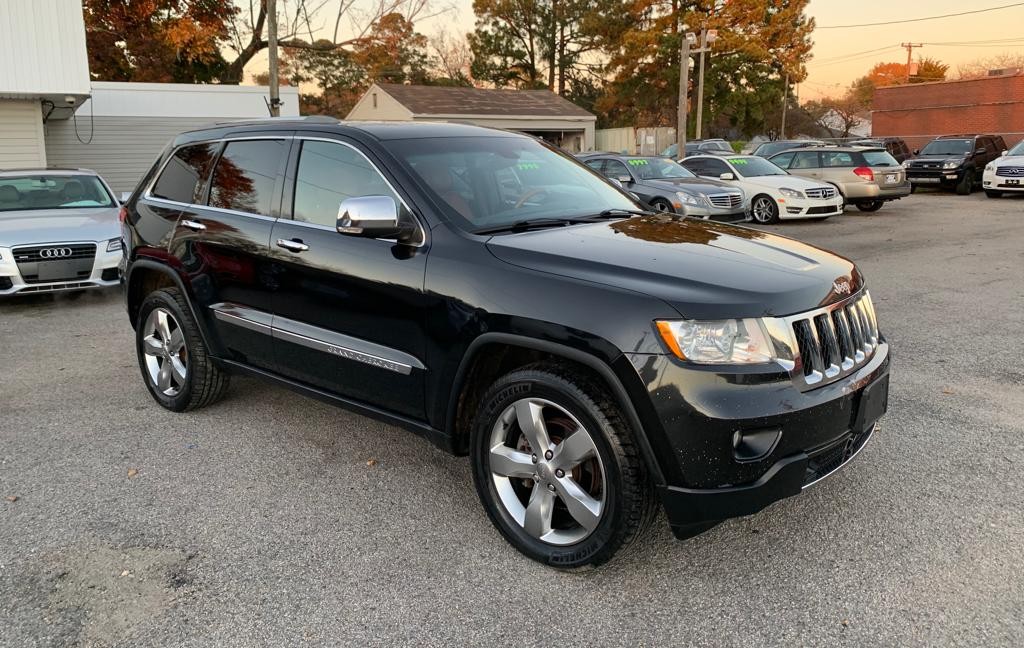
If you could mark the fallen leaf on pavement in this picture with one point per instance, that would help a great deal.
(371, 462)
(125, 573)
(947, 391)
(132, 472)
(12, 498)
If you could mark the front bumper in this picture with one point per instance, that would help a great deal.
(738, 215)
(810, 207)
(992, 182)
(816, 432)
(104, 274)
(934, 177)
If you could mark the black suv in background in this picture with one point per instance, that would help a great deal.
(954, 162)
(494, 295)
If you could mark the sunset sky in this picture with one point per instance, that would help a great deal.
(841, 55)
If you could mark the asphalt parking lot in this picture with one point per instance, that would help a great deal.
(270, 519)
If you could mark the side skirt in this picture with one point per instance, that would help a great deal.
(437, 437)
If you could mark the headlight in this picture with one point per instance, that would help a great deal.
(688, 199)
(113, 245)
(791, 193)
(717, 341)
(906, 164)
(952, 164)
(990, 166)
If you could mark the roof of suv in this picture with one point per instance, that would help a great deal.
(378, 130)
(832, 149)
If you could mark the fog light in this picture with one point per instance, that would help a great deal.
(793, 210)
(751, 445)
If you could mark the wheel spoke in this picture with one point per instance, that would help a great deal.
(177, 370)
(571, 452)
(176, 342)
(582, 507)
(538, 512)
(530, 416)
(163, 326)
(163, 378)
(509, 462)
(152, 346)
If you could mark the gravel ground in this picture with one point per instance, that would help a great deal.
(274, 520)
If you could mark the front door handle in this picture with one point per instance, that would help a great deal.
(292, 245)
(195, 226)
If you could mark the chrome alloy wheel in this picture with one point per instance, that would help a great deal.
(547, 471)
(763, 209)
(163, 343)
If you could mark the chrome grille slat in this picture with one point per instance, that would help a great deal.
(726, 200)
(834, 341)
(821, 192)
(1010, 172)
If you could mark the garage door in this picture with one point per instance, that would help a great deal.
(21, 135)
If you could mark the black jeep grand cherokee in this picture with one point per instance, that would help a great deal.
(504, 301)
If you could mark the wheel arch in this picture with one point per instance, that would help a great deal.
(494, 354)
(145, 276)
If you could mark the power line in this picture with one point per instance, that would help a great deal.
(912, 20)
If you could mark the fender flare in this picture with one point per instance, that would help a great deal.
(602, 368)
(180, 284)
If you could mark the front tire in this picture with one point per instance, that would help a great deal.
(175, 364)
(662, 205)
(557, 468)
(764, 209)
(966, 186)
(870, 205)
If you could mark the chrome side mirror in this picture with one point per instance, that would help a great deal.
(1004, 153)
(727, 176)
(624, 179)
(370, 217)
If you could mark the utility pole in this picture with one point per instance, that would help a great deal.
(706, 38)
(910, 54)
(275, 90)
(785, 104)
(689, 38)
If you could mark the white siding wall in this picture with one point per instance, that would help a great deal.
(21, 135)
(42, 48)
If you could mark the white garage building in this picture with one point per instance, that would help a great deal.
(538, 112)
(52, 114)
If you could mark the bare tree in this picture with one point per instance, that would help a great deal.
(452, 57)
(980, 68)
(308, 24)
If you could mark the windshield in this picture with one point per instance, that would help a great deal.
(879, 159)
(948, 147)
(1018, 149)
(492, 182)
(43, 191)
(755, 167)
(657, 169)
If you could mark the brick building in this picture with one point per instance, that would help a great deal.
(921, 111)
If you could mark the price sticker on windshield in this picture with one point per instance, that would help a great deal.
(527, 166)
(637, 162)
(738, 161)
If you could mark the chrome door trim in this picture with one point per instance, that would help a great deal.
(320, 339)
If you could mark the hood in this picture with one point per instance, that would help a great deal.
(58, 226)
(936, 159)
(1008, 160)
(705, 270)
(778, 181)
(700, 185)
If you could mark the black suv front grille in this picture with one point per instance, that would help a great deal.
(835, 340)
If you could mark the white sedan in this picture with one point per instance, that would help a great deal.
(1005, 174)
(775, 194)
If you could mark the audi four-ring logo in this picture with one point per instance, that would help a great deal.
(55, 253)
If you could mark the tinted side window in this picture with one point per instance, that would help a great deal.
(246, 174)
(838, 159)
(715, 168)
(783, 160)
(595, 164)
(330, 173)
(615, 169)
(184, 174)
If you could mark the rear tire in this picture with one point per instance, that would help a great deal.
(966, 186)
(175, 364)
(993, 194)
(764, 210)
(870, 205)
(580, 516)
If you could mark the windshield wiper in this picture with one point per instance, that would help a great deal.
(528, 224)
(618, 212)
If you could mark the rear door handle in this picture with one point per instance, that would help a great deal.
(292, 245)
(195, 226)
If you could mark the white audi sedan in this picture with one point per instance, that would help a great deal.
(774, 194)
(59, 230)
(1005, 174)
